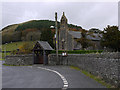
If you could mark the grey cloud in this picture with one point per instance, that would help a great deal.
(87, 14)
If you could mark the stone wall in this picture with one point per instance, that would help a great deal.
(69, 40)
(105, 65)
(19, 60)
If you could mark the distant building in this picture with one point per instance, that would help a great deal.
(68, 38)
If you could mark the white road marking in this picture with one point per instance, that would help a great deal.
(65, 86)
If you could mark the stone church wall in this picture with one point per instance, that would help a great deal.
(105, 65)
(77, 45)
(19, 60)
(98, 46)
(69, 42)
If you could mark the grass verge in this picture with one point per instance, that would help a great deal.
(96, 78)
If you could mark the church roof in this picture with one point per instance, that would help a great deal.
(94, 37)
(45, 45)
(77, 35)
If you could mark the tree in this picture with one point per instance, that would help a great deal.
(83, 40)
(111, 38)
(32, 36)
(16, 36)
(94, 30)
(47, 35)
(5, 38)
(26, 48)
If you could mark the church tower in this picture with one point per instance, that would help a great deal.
(63, 33)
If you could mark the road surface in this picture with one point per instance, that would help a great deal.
(39, 76)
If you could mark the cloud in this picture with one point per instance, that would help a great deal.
(28, 15)
(85, 14)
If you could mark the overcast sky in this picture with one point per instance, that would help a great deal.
(85, 14)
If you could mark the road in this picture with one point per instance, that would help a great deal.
(39, 76)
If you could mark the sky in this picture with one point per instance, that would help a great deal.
(85, 14)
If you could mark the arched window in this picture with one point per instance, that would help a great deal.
(63, 44)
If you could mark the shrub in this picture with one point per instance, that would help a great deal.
(26, 48)
(79, 51)
(14, 52)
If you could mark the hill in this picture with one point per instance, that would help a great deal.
(30, 30)
(38, 24)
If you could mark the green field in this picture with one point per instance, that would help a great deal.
(15, 45)
(12, 46)
(2, 55)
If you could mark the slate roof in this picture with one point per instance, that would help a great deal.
(45, 45)
(95, 36)
(77, 34)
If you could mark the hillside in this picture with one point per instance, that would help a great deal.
(38, 24)
(31, 31)
(9, 29)
(9, 26)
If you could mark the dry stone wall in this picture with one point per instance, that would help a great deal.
(105, 65)
(19, 59)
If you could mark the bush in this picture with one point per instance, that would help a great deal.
(14, 52)
(26, 48)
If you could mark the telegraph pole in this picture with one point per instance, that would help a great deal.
(56, 36)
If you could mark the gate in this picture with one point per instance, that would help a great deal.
(41, 51)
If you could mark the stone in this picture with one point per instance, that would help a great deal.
(106, 66)
(19, 60)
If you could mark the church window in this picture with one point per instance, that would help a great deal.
(62, 45)
(63, 42)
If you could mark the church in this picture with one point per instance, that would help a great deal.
(67, 39)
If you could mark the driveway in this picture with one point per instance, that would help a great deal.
(39, 76)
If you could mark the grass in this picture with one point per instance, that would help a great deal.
(96, 78)
(2, 55)
(15, 45)
(12, 46)
(1, 59)
(16, 65)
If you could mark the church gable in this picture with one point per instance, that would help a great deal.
(63, 19)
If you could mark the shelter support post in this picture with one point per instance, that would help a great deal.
(44, 56)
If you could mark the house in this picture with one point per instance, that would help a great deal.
(68, 39)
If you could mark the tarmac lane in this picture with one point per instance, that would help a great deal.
(39, 76)
(75, 78)
(26, 77)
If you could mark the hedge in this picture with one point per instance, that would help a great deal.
(78, 51)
